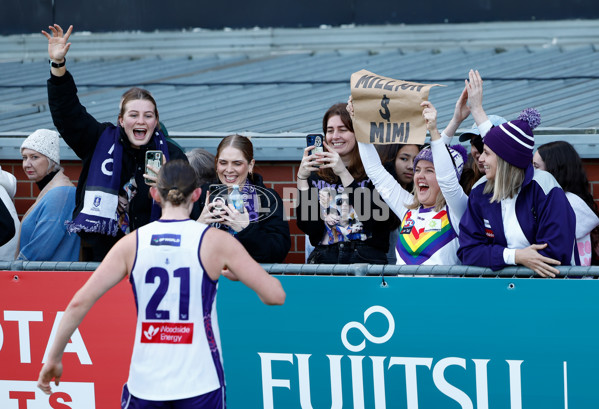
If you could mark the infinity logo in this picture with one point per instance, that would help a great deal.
(364, 331)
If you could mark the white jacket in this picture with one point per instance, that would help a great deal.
(8, 189)
(586, 220)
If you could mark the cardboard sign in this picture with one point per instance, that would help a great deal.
(387, 110)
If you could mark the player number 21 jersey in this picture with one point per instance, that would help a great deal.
(176, 353)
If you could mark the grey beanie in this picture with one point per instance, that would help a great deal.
(45, 142)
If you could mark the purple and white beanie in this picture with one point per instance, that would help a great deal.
(458, 153)
(514, 141)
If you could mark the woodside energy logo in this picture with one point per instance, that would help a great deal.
(166, 333)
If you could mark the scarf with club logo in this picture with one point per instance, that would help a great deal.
(101, 196)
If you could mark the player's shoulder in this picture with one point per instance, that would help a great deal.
(213, 236)
(127, 241)
(219, 243)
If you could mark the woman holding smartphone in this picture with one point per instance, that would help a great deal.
(112, 196)
(259, 224)
(339, 209)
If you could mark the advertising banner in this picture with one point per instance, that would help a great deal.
(350, 342)
(96, 361)
(338, 342)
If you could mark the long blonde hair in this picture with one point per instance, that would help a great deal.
(507, 182)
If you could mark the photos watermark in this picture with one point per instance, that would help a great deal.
(312, 204)
(363, 203)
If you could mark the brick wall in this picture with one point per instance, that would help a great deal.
(592, 168)
(278, 176)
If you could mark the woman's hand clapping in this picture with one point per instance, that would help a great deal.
(474, 88)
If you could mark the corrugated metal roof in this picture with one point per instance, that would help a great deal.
(284, 84)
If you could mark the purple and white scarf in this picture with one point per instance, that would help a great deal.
(101, 196)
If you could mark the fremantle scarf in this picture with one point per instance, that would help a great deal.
(101, 197)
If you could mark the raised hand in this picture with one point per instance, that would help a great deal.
(474, 86)
(460, 113)
(58, 44)
(429, 114)
(350, 107)
(462, 110)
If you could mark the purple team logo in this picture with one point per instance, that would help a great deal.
(97, 201)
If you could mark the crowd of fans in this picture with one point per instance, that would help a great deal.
(497, 206)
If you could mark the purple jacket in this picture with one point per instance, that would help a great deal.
(543, 212)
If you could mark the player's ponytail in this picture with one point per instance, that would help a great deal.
(176, 181)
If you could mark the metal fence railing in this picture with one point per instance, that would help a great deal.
(393, 270)
(338, 269)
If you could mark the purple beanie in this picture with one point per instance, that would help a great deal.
(458, 154)
(514, 141)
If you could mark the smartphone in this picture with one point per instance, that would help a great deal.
(153, 158)
(315, 139)
(218, 195)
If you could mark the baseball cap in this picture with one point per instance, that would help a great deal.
(495, 120)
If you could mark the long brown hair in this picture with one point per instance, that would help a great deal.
(355, 166)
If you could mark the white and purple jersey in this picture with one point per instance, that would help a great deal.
(176, 353)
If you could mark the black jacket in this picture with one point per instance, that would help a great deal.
(81, 132)
(268, 240)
